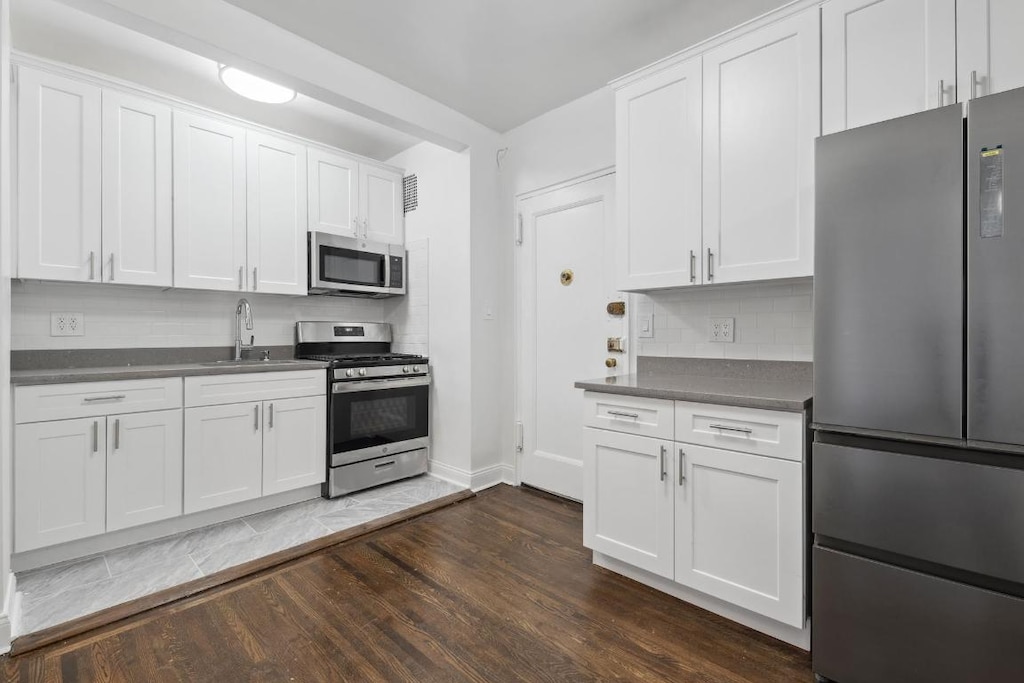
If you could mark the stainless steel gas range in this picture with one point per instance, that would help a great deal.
(378, 404)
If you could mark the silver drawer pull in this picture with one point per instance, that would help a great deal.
(619, 413)
(727, 428)
(664, 471)
(383, 464)
(682, 467)
(92, 399)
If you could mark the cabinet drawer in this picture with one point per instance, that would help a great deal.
(750, 430)
(92, 399)
(209, 390)
(630, 414)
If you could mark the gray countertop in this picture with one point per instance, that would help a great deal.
(122, 364)
(773, 385)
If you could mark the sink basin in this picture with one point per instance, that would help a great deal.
(249, 361)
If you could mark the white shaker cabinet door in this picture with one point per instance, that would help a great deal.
(381, 204)
(990, 52)
(761, 117)
(276, 186)
(144, 468)
(58, 171)
(739, 530)
(882, 59)
(137, 242)
(294, 443)
(223, 455)
(333, 193)
(658, 179)
(627, 499)
(59, 481)
(209, 204)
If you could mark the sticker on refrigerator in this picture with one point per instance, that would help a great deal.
(990, 192)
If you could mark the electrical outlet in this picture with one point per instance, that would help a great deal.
(67, 325)
(721, 329)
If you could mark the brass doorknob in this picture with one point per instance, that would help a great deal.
(610, 363)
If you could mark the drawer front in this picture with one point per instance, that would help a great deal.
(361, 475)
(629, 414)
(93, 399)
(210, 390)
(748, 430)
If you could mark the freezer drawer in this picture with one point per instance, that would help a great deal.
(959, 514)
(873, 622)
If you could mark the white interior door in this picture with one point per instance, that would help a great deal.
(563, 328)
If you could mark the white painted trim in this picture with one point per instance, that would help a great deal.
(784, 12)
(478, 480)
(104, 81)
(800, 638)
(450, 473)
(11, 615)
(600, 173)
(42, 557)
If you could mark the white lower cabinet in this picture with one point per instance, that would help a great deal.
(629, 482)
(144, 468)
(727, 523)
(294, 443)
(739, 529)
(59, 481)
(223, 455)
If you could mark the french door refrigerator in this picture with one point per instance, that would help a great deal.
(918, 455)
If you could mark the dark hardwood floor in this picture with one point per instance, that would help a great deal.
(495, 588)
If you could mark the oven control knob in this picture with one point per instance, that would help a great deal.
(350, 373)
(362, 372)
(415, 368)
(405, 369)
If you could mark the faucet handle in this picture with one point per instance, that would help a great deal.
(266, 354)
(252, 340)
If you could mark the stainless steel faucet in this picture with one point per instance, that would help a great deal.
(243, 314)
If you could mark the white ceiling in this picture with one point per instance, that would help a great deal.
(503, 63)
(49, 29)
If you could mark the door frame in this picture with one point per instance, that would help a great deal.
(517, 318)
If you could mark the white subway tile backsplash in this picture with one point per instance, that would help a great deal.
(772, 321)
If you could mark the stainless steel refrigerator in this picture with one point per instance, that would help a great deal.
(918, 455)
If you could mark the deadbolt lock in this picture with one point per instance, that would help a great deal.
(610, 362)
(614, 344)
(566, 277)
(617, 308)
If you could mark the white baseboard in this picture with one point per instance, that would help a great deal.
(478, 480)
(9, 618)
(799, 637)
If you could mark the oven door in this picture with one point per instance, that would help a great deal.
(378, 417)
(343, 264)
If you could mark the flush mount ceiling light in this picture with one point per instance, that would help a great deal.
(254, 87)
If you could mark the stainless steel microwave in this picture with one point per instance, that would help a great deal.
(348, 266)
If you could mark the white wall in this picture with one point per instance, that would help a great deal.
(774, 321)
(443, 220)
(409, 315)
(6, 435)
(123, 316)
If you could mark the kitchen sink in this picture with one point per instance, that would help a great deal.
(249, 361)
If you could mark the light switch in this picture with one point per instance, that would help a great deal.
(645, 321)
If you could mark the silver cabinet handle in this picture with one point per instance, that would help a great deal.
(942, 91)
(682, 467)
(256, 417)
(619, 413)
(95, 436)
(974, 84)
(664, 472)
(270, 420)
(117, 434)
(92, 399)
(711, 272)
(255, 280)
(92, 265)
(727, 428)
(241, 274)
(693, 264)
(111, 266)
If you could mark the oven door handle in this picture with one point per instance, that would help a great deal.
(344, 387)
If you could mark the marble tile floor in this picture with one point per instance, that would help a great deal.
(58, 593)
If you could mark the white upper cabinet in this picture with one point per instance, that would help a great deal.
(761, 117)
(658, 179)
(381, 201)
(333, 193)
(990, 52)
(137, 242)
(882, 59)
(276, 186)
(58, 173)
(209, 203)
